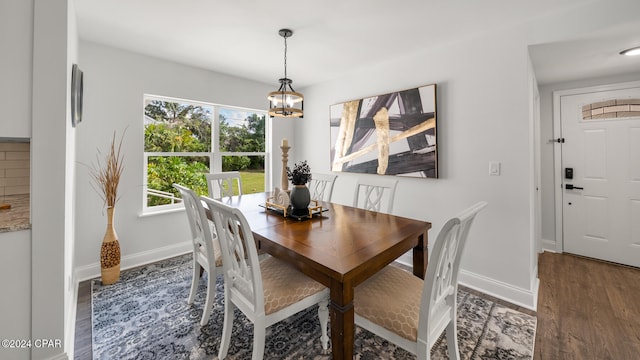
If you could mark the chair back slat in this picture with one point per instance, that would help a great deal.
(321, 186)
(198, 223)
(373, 193)
(441, 279)
(240, 262)
(221, 184)
(388, 309)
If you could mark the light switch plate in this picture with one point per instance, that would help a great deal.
(494, 168)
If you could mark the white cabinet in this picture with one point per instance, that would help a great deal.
(15, 302)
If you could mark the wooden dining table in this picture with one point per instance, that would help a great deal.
(340, 247)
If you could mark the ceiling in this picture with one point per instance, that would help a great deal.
(592, 56)
(335, 37)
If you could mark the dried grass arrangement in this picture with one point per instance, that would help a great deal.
(106, 173)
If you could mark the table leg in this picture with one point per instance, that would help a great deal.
(342, 321)
(421, 256)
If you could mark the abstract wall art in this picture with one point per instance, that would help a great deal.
(391, 134)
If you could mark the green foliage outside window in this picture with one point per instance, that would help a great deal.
(247, 138)
(162, 138)
(177, 127)
(163, 172)
(180, 127)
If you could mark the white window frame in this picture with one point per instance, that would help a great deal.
(215, 156)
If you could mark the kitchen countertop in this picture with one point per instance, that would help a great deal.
(18, 217)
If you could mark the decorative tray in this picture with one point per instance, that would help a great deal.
(313, 210)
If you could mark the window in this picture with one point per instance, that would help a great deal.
(182, 142)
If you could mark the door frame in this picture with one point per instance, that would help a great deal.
(557, 149)
(537, 173)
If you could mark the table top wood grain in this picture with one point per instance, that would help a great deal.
(340, 248)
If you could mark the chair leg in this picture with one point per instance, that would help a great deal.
(259, 334)
(211, 294)
(423, 352)
(227, 327)
(452, 339)
(323, 316)
(195, 279)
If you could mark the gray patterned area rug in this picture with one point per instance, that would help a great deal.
(146, 316)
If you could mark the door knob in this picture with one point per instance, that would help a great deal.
(571, 187)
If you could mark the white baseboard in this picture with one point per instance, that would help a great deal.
(406, 259)
(495, 288)
(548, 245)
(91, 271)
(513, 294)
(62, 356)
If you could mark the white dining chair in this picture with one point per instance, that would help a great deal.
(413, 313)
(221, 184)
(321, 186)
(375, 193)
(266, 291)
(206, 249)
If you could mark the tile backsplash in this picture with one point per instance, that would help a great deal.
(14, 168)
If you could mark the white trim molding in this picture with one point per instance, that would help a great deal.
(406, 259)
(92, 271)
(515, 295)
(548, 245)
(62, 356)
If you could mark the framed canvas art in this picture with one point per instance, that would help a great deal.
(390, 134)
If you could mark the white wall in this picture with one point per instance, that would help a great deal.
(547, 149)
(16, 39)
(482, 116)
(115, 82)
(70, 283)
(52, 165)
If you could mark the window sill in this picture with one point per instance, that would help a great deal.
(161, 211)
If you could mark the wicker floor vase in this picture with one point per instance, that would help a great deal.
(110, 253)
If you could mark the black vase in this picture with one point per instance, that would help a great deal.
(300, 197)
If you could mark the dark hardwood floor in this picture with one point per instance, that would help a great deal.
(82, 342)
(587, 309)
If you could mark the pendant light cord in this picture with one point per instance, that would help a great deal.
(285, 56)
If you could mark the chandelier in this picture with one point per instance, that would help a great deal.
(285, 102)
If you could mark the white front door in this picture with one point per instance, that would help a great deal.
(601, 203)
